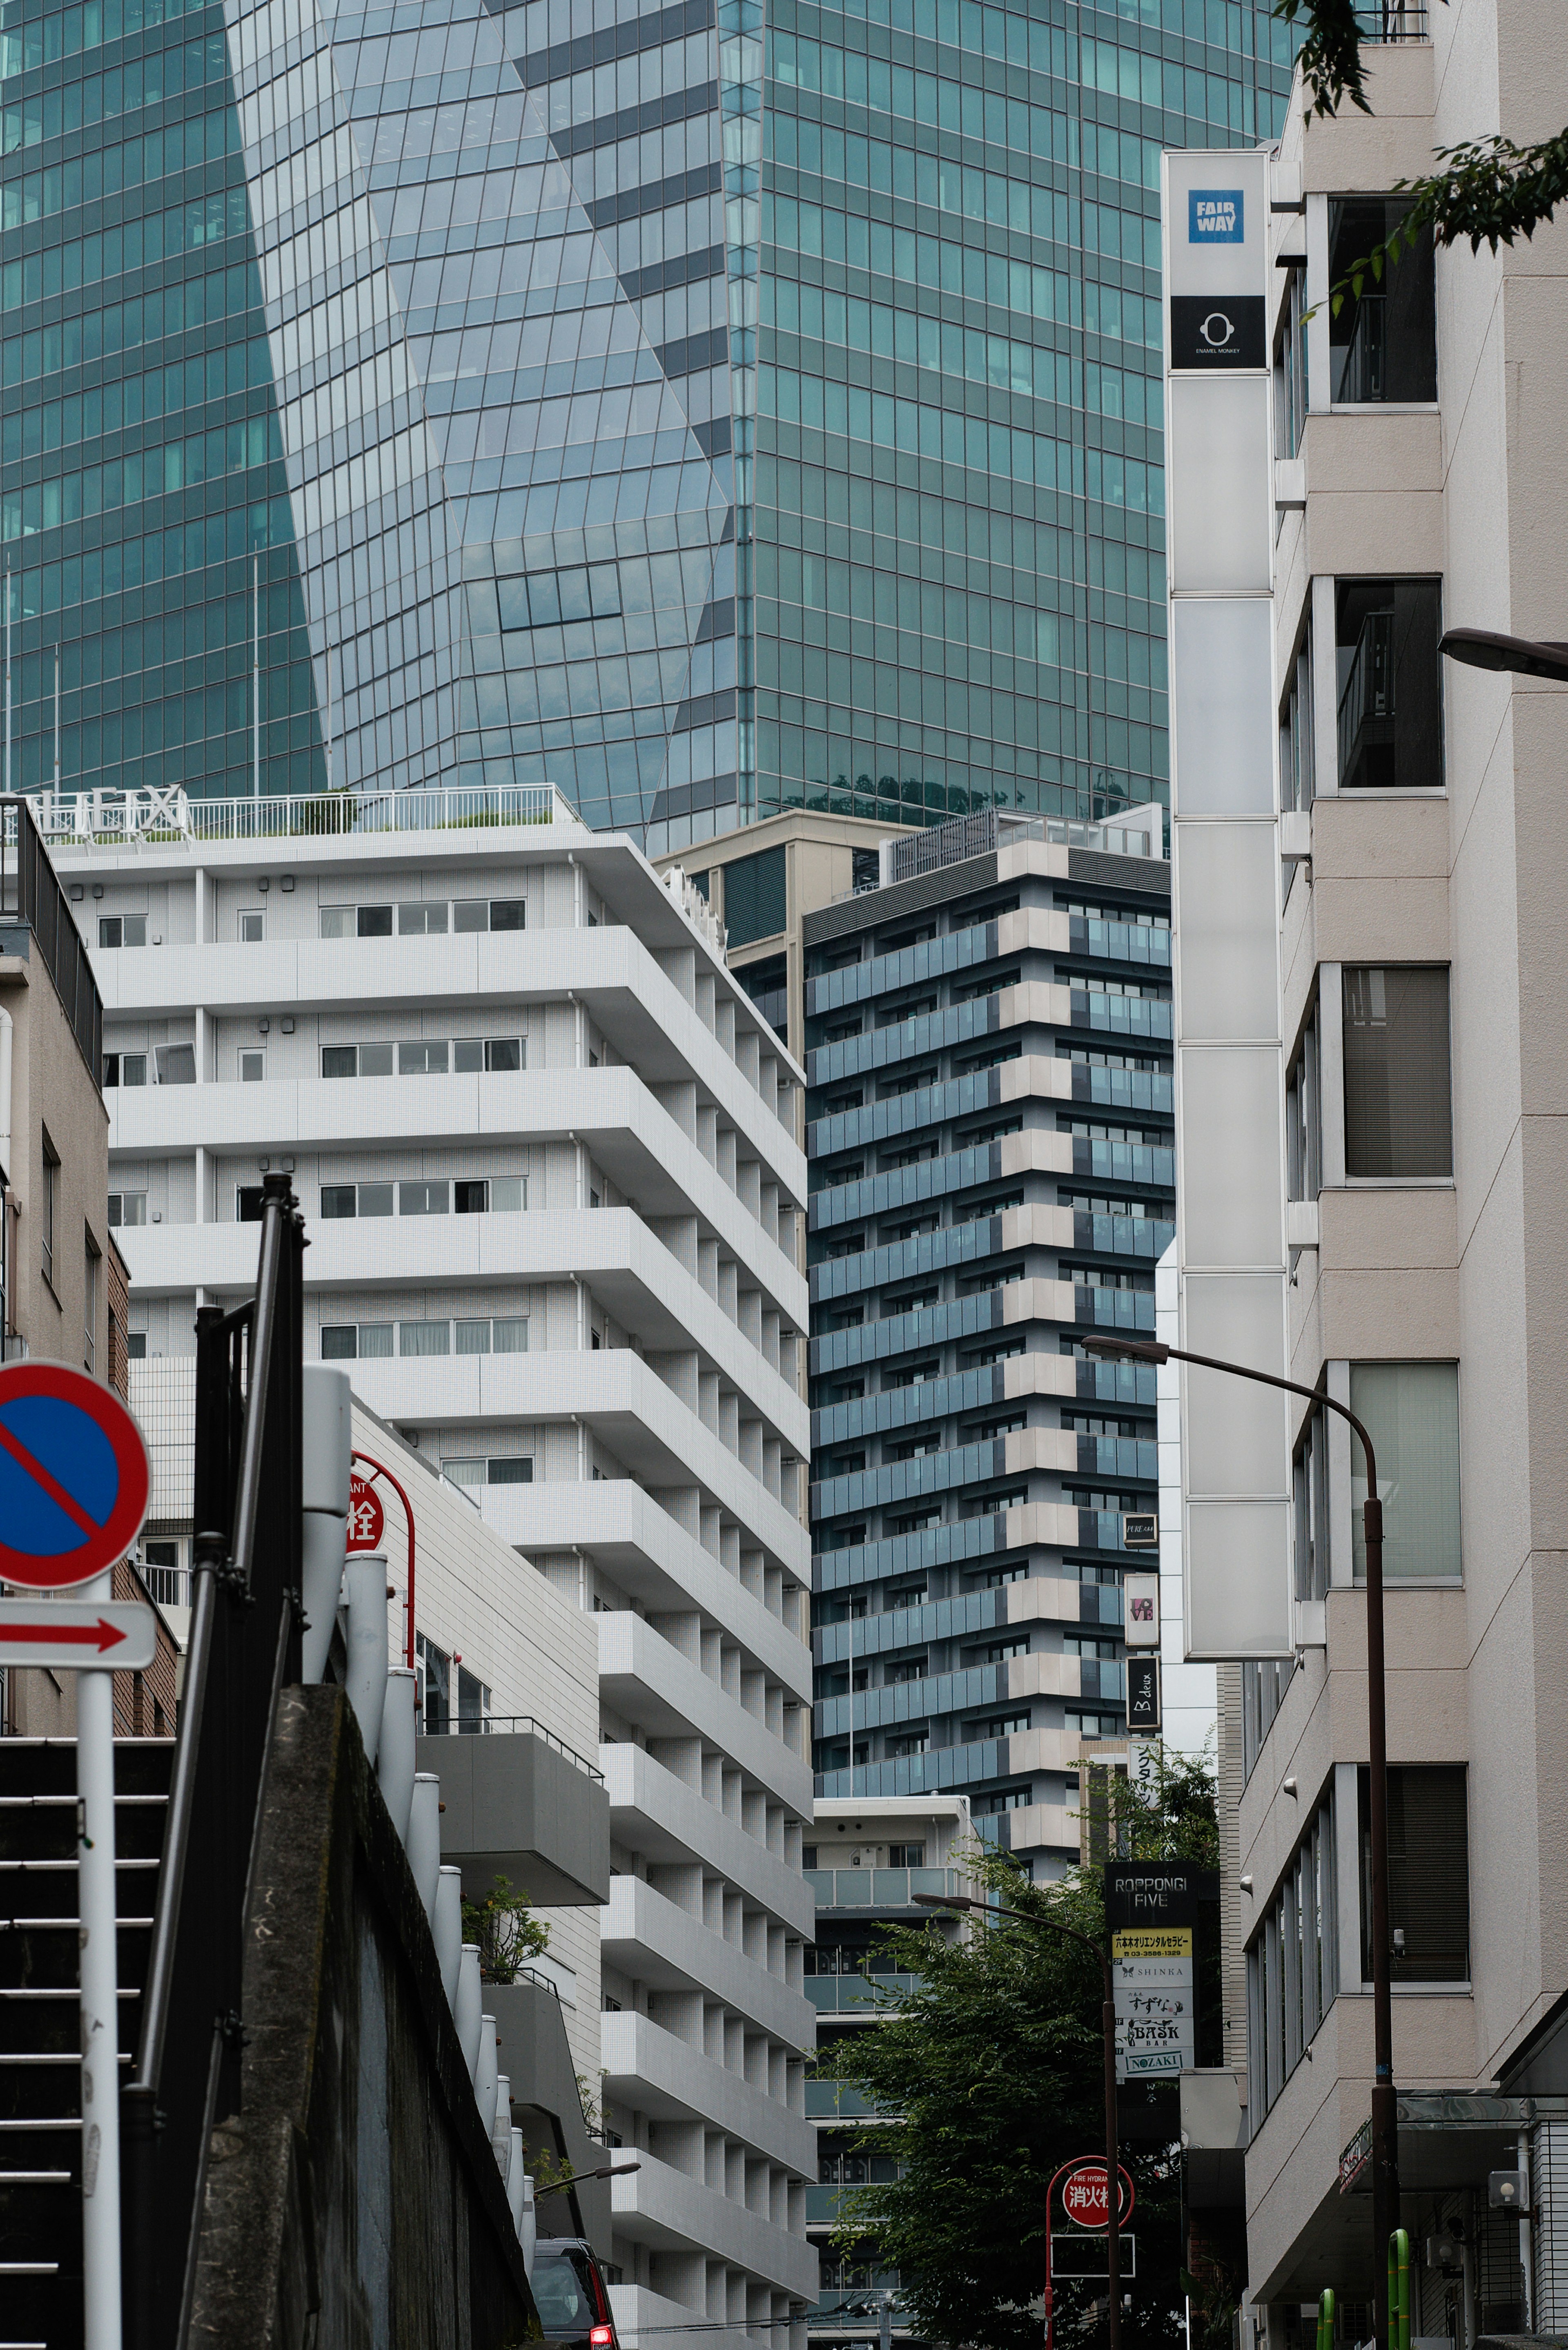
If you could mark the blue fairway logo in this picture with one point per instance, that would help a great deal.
(1215, 216)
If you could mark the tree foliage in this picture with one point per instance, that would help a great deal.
(1487, 189)
(506, 1929)
(994, 2066)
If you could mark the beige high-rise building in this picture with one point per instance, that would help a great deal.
(1370, 878)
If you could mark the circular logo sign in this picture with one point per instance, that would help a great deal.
(366, 1518)
(1217, 329)
(1084, 2199)
(73, 1476)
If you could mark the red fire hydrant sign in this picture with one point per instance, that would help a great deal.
(366, 1518)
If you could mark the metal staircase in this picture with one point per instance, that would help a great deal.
(40, 2067)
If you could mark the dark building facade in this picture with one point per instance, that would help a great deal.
(989, 1134)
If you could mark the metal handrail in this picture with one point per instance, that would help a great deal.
(475, 1725)
(245, 1640)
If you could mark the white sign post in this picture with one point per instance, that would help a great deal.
(72, 1493)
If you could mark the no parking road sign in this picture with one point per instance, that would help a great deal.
(73, 1477)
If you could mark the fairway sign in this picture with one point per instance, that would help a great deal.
(73, 1477)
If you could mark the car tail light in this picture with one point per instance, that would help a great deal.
(602, 2337)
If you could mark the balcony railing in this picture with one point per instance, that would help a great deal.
(845, 1995)
(1394, 22)
(520, 1725)
(879, 1888)
(163, 819)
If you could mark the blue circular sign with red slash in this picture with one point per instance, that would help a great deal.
(74, 1476)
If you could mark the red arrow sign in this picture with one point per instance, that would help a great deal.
(100, 1636)
(74, 1638)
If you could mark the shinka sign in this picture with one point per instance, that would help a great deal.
(1085, 2200)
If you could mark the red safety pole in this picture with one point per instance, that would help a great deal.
(381, 1469)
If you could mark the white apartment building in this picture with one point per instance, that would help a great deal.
(1370, 868)
(545, 1145)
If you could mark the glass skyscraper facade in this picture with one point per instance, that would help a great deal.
(705, 413)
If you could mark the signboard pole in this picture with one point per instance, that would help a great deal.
(99, 2003)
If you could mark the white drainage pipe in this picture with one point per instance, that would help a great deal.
(422, 1842)
(516, 2172)
(365, 1588)
(395, 1763)
(466, 2009)
(486, 2075)
(448, 1930)
(324, 1500)
(529, 2230)
(501, 2129)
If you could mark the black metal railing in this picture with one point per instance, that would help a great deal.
(1366, 704)
(1391, 22)
(30, 893)
(245, 1647)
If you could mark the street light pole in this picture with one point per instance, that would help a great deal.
(1384, 2106)
(1108, 2023)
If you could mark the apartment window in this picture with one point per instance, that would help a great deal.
(1293, 1965)
(1398, 1117)
(423, 1056)
(1309, 1494)
(349, 1342)
(993, 1800)
(89, 1305)
(122, 929)
(248, 1199)
(1411, 1411)
(434, 1684)
(124, 1069)
(175, 1064)
(1429, 1873)
(1388, 684)
(1303, 1117)
(168, 1581)
(1296, 734)
(356, 921)
(424, 1199)
(136, 1345)
(421, 921)
(252, 925)
(424, 1339)
(1383, 344)
(491, 1053)
(905, 1856)
(489, 914)
(50, 1203)
(127, 1207)
(500, 1469)
(1291, 368)
(473, 1702)
(252, 1064)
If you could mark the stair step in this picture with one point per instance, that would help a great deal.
(48, 2056)
(34, 2178)
(29, 2267)
(36, 1867)
(35, 1925)
(40, 1803)
(59, 1991)
(45, 2122)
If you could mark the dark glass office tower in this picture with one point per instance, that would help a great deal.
(706, 412)
(988, 1053)
(959, 545)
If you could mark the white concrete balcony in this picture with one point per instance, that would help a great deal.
(649, 2069)
(655, 1560)
(625, 1267)
(660, 2206)
(654, 1813)
(641, 1014)
(646, 1936)
(615, 1394)
(646, 1681)
(640, 1147)
(638, 2311)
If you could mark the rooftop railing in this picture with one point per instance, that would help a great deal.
(168, 819)
(1395, 22)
